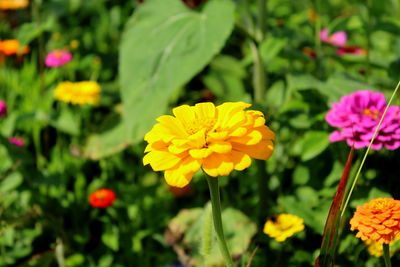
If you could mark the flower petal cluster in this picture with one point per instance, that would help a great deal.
(358, 114)
(217, 139)
(102, 198)
(19, 142)
(283, 226)
(86, 92)
(13, 4)
(12, 47)
(377, 220)
(336, 39)
(58, 58)
(3, 108)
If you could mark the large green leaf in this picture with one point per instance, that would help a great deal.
(164, 45)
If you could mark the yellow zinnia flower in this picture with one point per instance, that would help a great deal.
(375, 248)
(283, 226)
(218, 139)
(86, 92)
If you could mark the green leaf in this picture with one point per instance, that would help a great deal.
(107, 143)
(66, 122)
(11, 182)
(341, 84)
(163, 46)
(111, 238)
(190, 223)
(313, 143)
(271, 47)
(225, 79)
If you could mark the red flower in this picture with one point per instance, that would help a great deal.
(102, 198)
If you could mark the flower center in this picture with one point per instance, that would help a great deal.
(101, 195)
(373, 113)
(381, 204)
(58, 54)
(197, 125)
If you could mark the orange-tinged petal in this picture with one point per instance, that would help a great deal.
(240, 160)
(251, 138)
(262, 150)
(217, 165)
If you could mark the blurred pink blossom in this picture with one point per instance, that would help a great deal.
(336, 39)
(58, 58)
(16, 141)
(354, 50)
(3, 108)
(358, 114)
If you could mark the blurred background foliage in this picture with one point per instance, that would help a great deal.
(149, 57)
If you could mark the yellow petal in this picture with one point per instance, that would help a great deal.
(177, 179)
(174, 126)
(217, 136)
(205, 110)
(182, 174)
(227, 110)
(251, 138)
(177, 149)
(240, 131)
(200, 153)
(160, 160)
(185, 114)
(220, 147)
(217, 165)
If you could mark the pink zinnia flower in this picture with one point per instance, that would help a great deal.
(354, 50)
(336, 39)
(58, 58)
(3, 108)
(358, 114)
(16, 141)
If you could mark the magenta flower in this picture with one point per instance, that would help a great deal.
(336, 39)
(16, 141)
(58, 58)
(3, 108)
(358, 114)
(354, 50)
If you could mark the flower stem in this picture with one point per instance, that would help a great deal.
(386, 255)
(216, 212)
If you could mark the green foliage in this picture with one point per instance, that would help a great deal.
(148, 57)
(164, 45)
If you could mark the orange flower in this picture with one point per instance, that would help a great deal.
(13, 4)
(377, 220)
(11, 47)
(102, 198)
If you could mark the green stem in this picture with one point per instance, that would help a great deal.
(318, 39)
(216, 211)
(262, 8)
(259, 77)
(386, 255)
